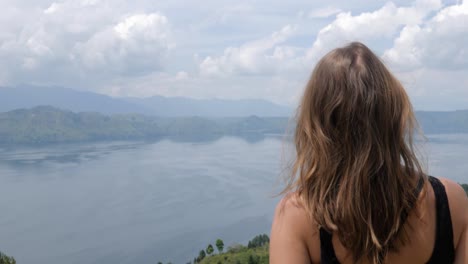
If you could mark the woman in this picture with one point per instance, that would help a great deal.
(357, 193)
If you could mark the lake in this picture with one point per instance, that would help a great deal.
(144, 202)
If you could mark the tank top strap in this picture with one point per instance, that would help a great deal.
(444, 249)
(327, 253)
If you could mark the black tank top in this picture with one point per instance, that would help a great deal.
(444, 249)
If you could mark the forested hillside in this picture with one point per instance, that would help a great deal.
(46, 124)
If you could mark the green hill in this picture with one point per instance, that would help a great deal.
(240, 254)
(50, 125)
(46, 124)
(256, 252)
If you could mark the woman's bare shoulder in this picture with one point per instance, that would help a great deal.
(458, 204)
(457, 198)
(293, 232)
(291, 206)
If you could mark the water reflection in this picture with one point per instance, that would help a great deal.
(32, 156)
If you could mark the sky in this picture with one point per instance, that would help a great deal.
(230, 49)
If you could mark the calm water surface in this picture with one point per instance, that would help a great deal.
(134, 202)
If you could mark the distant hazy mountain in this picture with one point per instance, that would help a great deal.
(181, 106)
(30, 96)
(46, 124)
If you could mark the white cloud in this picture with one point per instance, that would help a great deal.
(440, 42)
(141, 48)
(382, 24)
(133, 46)
(429, 47)
(152, 26)
(256, 57)
(380, 28)
(85, 42)
(52, 8)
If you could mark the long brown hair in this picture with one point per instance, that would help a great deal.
(355, 166)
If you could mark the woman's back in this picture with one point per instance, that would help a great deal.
(353, 192)
(295, 238)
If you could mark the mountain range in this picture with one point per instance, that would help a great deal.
(47, 124)
(27, 96)
(30, 115)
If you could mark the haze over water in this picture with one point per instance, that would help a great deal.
(137, 202)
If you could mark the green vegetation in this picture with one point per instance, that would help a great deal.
(209, 250)
(255, 253)
(201, 256)
(259, 241)
(220, 245)
(45, 124)
(4, 259)
(50, 125)
(240, 254)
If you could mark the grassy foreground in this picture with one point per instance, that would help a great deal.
(256, 252)
(240, 255)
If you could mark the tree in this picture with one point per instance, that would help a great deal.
(201, 255)
(220, 245)
(209, 249)
(252, 260)
(4, 259)
(258, 241)
(236, 248)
